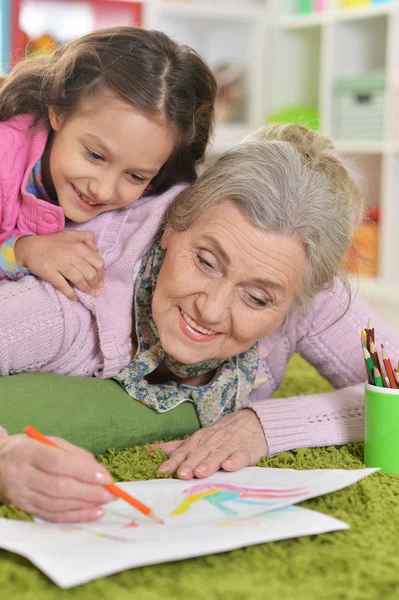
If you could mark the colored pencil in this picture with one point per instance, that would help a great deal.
(369, 364)
(388, 369)
(376, 360)
(364, 337)
(377, 378)
(396, 377)
(111, 487)
(370, 332)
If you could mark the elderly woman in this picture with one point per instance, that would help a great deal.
(244, 273)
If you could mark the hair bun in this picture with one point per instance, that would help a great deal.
(311, 144)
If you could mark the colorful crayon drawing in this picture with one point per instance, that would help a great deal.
(270, 515)
(218, 494)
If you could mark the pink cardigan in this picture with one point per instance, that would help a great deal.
(20, 212)
(41, 330)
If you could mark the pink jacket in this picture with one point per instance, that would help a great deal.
(20, 212)
(41, 330)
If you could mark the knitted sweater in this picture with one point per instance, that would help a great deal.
(41, 330)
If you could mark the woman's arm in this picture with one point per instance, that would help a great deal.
(335, 350)
(40, 330)
(331, 418)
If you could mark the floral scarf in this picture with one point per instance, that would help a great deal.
(227, 392)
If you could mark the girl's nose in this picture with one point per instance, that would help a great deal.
(103, 190)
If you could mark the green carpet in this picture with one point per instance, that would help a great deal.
(357, 564)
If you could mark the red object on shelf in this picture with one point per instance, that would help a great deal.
(103, 12)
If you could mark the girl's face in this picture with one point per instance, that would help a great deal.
(223, 285)
(103, 157)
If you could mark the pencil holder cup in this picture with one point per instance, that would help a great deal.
(381, 428)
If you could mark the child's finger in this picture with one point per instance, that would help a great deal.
(61, 284)
(96, 262)
(79, 278)
(88, 272)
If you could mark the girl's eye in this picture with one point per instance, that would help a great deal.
(93, 155)
(136, 178)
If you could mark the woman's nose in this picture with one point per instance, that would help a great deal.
(213, 304)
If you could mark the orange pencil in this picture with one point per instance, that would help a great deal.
(111, 487)
(389, 369)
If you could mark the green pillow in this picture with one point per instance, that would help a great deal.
(93, 413)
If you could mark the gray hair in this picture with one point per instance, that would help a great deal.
(286, 180)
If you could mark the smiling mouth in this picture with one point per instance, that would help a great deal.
(86, 199)
(196, 326)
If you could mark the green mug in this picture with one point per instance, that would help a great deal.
(381, 428)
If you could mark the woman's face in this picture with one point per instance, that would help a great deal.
(223, 285)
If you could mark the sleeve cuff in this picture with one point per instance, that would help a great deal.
(333, 418)
(8, 263)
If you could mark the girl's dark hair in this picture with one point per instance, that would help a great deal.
(145, 68)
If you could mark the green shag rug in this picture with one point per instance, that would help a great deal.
(357, 564)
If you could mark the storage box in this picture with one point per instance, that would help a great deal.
(359, 107)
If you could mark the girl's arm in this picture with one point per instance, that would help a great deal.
(9, 266)
(63, 259)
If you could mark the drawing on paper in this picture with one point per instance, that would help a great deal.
(270, 515)
(218, 494)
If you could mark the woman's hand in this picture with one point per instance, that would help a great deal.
(56, 485)
(234, 442)
(60, 258)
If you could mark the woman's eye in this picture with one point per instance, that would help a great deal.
(93, 155)
(259, 301)
(204, 262)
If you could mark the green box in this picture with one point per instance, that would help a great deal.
(305, 6)
(381, 428)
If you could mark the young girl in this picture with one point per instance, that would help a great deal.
(89, 129)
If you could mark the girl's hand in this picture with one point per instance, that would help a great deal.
(56, 485)
(234, 442)
(63, 258)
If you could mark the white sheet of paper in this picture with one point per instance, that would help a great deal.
(221, 513)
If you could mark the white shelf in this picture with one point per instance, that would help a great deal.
(358, 147)
(228, 135)
(221, 10)
(371, 11)
(301, 21)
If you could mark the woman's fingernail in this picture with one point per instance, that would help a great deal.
(183, 472)
(101, 478)
(99, 513)
(200, 469)
(109, 497)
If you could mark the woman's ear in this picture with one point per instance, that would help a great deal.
(56, 118)
(165, 237)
